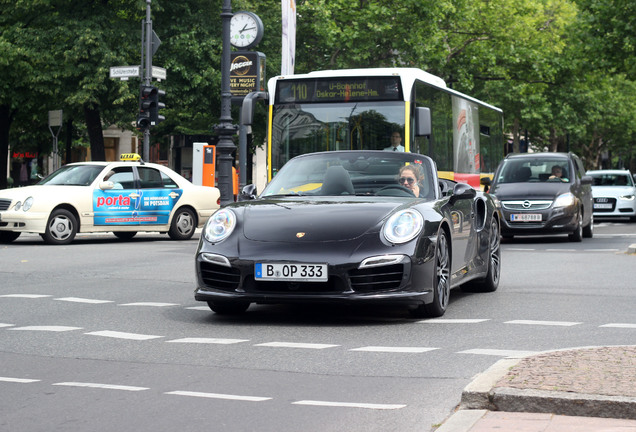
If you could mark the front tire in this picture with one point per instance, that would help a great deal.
(183, 224)
(577, 235)
(588, 231)
(441, 281)
(60, 228)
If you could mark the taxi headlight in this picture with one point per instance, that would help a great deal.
(564, 200)
(17, 206)
(220, 226)
(403, 226)
(27, 204)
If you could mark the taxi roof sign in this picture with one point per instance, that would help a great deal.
(132, 157)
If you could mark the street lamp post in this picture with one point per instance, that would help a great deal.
(225, 129)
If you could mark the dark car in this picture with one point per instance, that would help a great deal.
(338, 227)
(544, 193)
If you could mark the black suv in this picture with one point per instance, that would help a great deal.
(544, 193)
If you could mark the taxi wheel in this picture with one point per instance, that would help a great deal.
(125, 235)
(61, 227)
(183, 224)
(8, 236)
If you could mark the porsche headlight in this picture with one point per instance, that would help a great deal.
(564, 200)
(220, 226)
(403, 226)
(27, 204)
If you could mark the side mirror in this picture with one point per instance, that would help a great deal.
(462, 191)
(585, 180)
(248, 193)
(422, 121)
(485, 182)
(106, 185)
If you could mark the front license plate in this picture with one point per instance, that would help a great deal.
(525, 217)
(291, 272)
(603, 206)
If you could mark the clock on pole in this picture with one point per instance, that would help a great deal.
(246, 29)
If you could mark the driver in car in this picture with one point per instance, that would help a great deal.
(410, 177)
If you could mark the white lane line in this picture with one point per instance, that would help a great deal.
(219, 396)
(6, 325)
(151, 304)
(520, 249)
(30, 296)
(200, 308)
(350, 405)
(394, 349)
(220, 341)
(18, 380)
(453, 321)
(101, 386)
(499, 353)
(601, 250)
(560, 250)
(82, 300)
(544, 323)
(47, 328)
(619, 325)
(123, 335)
(296, 345)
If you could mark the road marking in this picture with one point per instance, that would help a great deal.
(619, 325)
(350, 405)
(209, 341)
(122, 335)
(200, 308)
(219, 396)
(500, 353)
(394, 349)
(545, 323)
(560, 250)
(18, 380)
(101, 386)
(82, 300)
(47, 328)
(6, 325)
(151, 304)
(602, 250)
(30, 296)
(296, 345)
(520, 249)
(453, 321)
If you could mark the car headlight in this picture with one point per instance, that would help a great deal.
(627, 197)
(403, 226)
(564, 200)
(17, 206)
(220, 226)
(27, 204)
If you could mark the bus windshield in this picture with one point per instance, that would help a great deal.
(314, 127)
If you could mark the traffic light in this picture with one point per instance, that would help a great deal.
(155, 106)
(145, 107)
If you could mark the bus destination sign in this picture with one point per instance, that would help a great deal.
(343, 89)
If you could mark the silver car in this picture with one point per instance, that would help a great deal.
(614, 193)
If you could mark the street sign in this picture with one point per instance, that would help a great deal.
(125, 72)
(55, 118)
(159, 73)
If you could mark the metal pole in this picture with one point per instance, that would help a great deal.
(225, 147)
(147, 71)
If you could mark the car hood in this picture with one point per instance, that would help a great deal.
(285, 220)
(612, 191)
(518, 191)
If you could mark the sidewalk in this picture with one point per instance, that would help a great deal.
(584, 390)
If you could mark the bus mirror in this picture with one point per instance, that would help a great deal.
(422, 121)
(247, 110)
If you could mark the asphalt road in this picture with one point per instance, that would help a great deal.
(103, 335)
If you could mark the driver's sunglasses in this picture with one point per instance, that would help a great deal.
(409, 180)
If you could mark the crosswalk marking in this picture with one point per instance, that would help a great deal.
(123, 335)
(219, 396)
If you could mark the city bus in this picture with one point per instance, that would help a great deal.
(361, 109)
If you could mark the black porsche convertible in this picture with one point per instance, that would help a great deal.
(351, 226)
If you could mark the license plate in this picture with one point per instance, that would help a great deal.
(525, 217)
(603, 206)
(291, 272)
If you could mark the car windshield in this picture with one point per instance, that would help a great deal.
(73, 175)
(355, 173)
(606, 179)
(534, 170)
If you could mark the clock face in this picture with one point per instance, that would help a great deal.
(245, 29)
